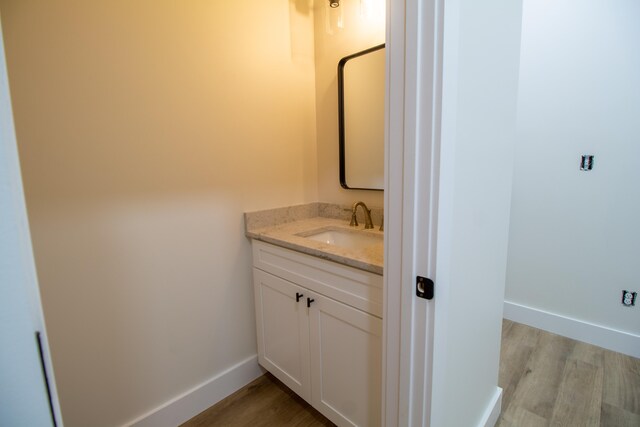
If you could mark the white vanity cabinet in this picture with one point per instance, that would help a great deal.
(320, 331)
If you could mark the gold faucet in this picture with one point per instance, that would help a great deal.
(367, 216)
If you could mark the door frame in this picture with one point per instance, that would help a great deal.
(414, 42)
(21, 288)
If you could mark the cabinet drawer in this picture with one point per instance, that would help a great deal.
(357, 288)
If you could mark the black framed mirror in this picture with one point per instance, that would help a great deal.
(361, 86)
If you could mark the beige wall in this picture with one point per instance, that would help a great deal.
(358, 34)
(145, 129)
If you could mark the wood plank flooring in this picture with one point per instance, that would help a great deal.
(547, 380)
(264, 402)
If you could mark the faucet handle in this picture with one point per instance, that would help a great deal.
(354, 220)
(367, 219)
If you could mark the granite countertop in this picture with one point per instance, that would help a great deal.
(285, 227)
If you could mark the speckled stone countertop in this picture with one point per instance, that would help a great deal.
(286, 227)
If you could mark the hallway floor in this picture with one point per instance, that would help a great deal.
(548, 380)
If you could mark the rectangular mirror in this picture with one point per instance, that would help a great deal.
(361, 85)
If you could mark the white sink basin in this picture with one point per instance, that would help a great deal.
(344, 238)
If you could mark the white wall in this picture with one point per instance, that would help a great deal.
(575, 236)
(359, 33)
(480, 61)
(145, 130)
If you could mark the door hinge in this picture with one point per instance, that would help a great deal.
(424, 287)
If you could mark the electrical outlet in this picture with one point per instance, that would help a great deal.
(629, 298)
(586, 162)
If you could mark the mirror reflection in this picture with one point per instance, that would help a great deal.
(361, 85)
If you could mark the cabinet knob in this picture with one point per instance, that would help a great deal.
(309, 301)
(298, 296)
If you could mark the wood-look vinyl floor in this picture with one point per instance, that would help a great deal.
(263, 402)
(550, 380)
(547, 380)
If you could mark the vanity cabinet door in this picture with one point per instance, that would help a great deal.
(283, 331)
(346, 363)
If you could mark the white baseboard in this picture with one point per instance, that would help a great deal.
(611, 339)
(490, 417)
(192, 402)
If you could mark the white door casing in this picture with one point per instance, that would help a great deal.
(414, 80)
(23, 389)
(452, 70)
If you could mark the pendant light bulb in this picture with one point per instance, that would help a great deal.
(334, 3)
